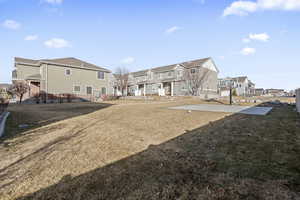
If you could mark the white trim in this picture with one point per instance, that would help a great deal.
(76, 92)
(100, 78)
(90, 87)
(105, 90)
(66, 72)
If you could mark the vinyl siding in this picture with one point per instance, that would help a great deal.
(24, 71)
(59, 82)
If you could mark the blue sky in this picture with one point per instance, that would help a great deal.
(257, 38)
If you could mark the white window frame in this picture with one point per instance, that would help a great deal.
(105, 91)
(77, 92)
(66, 72)
(87, 90)
(98, 76)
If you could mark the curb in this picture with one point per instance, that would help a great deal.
(2, 123)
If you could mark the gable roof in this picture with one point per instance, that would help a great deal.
(70, 61)
(240, 79)
(5, 85)
(140, 73)
(188, 65)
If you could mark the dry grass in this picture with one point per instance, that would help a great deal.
(141, 150)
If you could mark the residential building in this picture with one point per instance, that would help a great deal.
(4, 86)
(3, 89)
(259, 91)
(171, 80)
(275, 92)
(62, 76)
(241, 86)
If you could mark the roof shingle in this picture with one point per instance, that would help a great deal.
(70, 61)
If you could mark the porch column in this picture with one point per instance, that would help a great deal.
(161, 89)
(137, 90)
(172, 88)
(145, 89)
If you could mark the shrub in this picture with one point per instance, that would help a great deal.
(51, 98)
(109, 97)
(37, 98)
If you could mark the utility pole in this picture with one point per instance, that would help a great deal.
(230, 93)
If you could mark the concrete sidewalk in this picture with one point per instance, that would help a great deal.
(249, 110)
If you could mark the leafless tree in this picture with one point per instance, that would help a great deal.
(19, 89)
(195, 79)
(121, 75)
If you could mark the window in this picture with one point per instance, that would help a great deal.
(68, 72)
(76, 88)
(169, 74)
(89, 90)
(193, 71)
(103, 90)
(100, 75)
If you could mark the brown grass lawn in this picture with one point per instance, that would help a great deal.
(141, 150)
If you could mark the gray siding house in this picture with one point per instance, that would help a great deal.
(62, 76)
(171, 80)
(242, 86)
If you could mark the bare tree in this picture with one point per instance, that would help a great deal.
(121, 76)
(195, 79)
(19, 89)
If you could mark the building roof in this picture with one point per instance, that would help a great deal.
(27, 61)
(70, 61)
(188, 64)
(140, 73)
(240, 79)
(258, 89)
(4, 85)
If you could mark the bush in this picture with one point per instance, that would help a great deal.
(37, 98)
(109, 97)
(234, 92)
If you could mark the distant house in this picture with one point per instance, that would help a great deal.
(242, 86)
(275, 92)
(171, 80)
(3, 90)
(62, 76)
(4, 86)
(259, 91)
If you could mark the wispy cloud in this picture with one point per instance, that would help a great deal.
(199, 1)
(11, 24)
(243, 8)
(57, 43)
(54, 1)
(172, 30)
(128, 60)
(31, 37)
(263, 37)
(248, 51)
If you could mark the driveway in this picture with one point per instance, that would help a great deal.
(249, 110)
